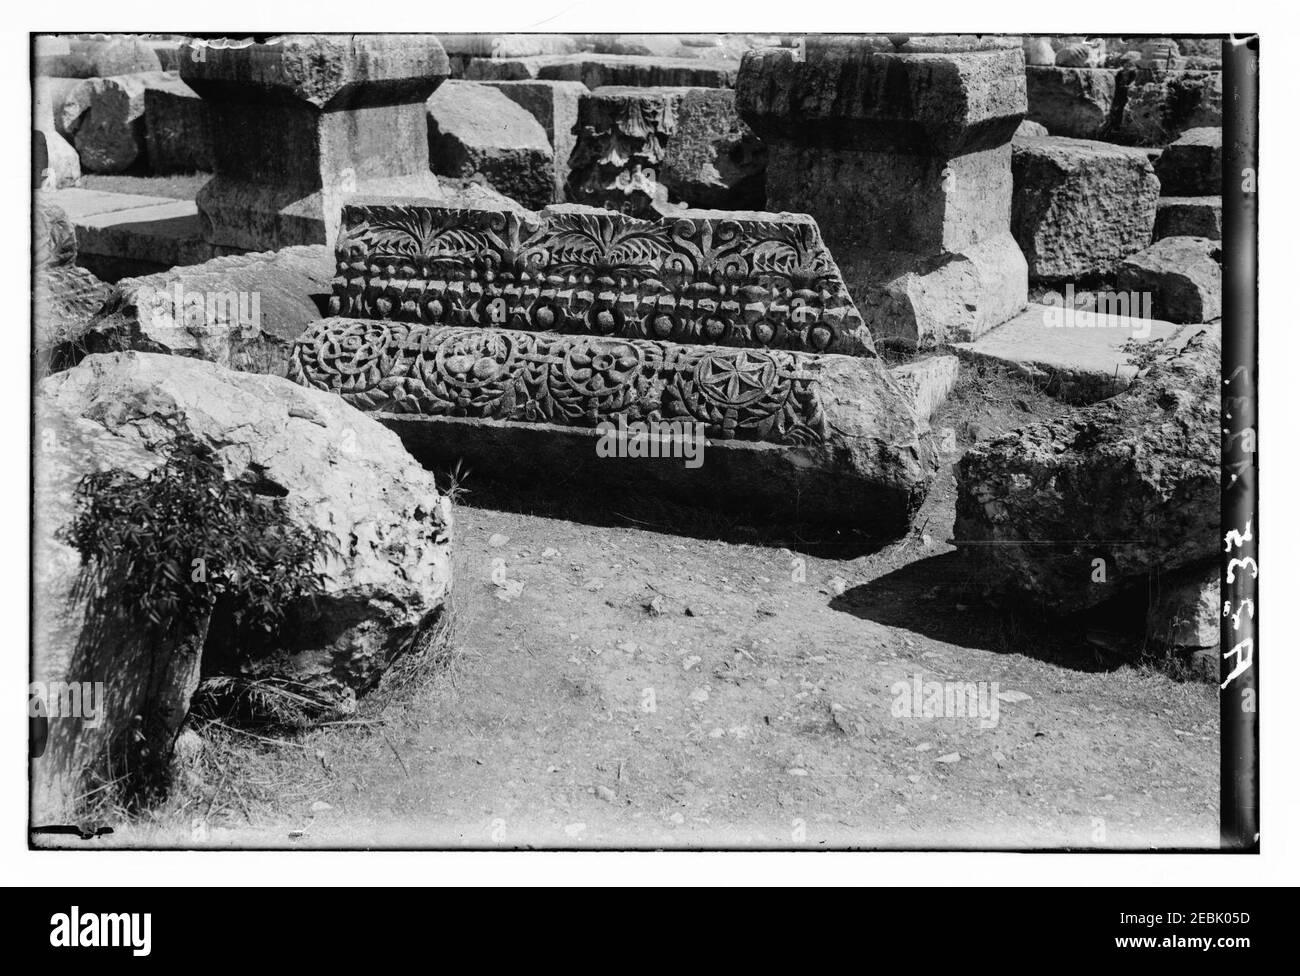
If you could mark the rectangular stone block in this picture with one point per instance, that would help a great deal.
(554, 104)
(1189, 217)
(1192, 165)
(1081, 206)
(724, 278)
(829, 438)
(302, 123)
(177, 131)
(597, 70)
(1074, 102)
(849, 93)
(477, 132)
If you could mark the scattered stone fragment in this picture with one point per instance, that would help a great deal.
(1162, 105)
(1076, 356)
(1138, 473)
(105, 117)
(927, 382)
(243, 312)
(1074, 102)
(554, 104)
(1031, 130)
(477, 130)
(1192, 165)
(1183, 276)
(1189, 217)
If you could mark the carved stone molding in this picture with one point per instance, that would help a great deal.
(571, 381)
(750, 280)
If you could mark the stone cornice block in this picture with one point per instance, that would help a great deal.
(703, 276)
(325, 71)
(857, 96)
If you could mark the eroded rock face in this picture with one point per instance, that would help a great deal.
(242, 311)
(1074, 102)
(1162, 105)
(1183, 275)
(1132, 481)
(333, 468)
(1080, 207)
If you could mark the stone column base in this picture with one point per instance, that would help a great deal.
(920, 301)
(250, 216)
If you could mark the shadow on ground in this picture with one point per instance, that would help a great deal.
(616, 507)
(938, 598)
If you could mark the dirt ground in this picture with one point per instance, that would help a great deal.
(621, 683)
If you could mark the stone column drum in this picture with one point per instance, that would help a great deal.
(901, 150)
(300, 123)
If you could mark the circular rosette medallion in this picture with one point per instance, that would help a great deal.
(352, 359)
(470, 372)
(741, 390)
(597, 379)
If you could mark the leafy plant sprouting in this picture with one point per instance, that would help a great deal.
(165, 547)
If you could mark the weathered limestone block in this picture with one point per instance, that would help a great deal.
(651, 45)
(332, 467)
(597, 71)
(168, 50)
(714, 159)
(64, 299)
(1080, 207)
(300, 124)
(927, 382)
(952, 297)
(62, 162)
(105, 117)
(1192, 165)
(475, 129)
(243, 312)
(903, 156)
(177, 131)
(1186, 609)
(1184, 276)
(1076, 355)
(54, 239)
(1075, 102)
(50, 94)
(1189, 217)
(738, 279)
(507, 45)
(61, 159)
(1038, 51)
(1031, 130)
(1162, 105)
(831, 436)
(554, 104)
(119, 55)
(1132, 481)
(465, 49)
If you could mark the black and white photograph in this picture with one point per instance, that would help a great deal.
(761, 440)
